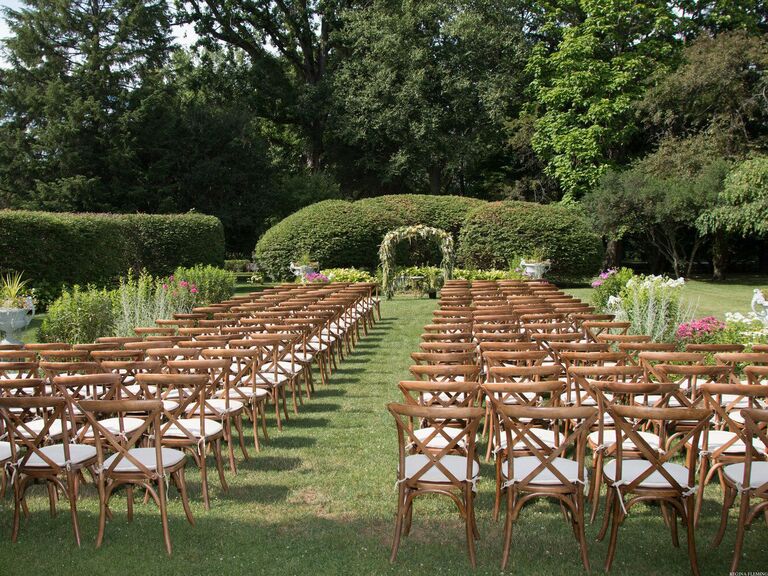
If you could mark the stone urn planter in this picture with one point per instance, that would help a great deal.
(12, 320)
(535, 270)
(760, 306)
(304, 269)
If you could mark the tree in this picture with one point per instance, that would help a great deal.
(422, 96)
(584, 90)
(299, 32)
(78, 69)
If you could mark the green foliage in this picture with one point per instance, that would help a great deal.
(419, 279)
(742, 206)
(212, 284)
(337, 233)
(496, 234)
(610, 285)
(79, 316)
(490, 274)
(586, 87)
(348, 275)
(12, 290)
(67, 249)
(238, 265)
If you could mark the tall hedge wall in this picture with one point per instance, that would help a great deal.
(60, 248)
(338, 233)
(496, 233)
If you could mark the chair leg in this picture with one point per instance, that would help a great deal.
(700, 492)
(102, 511)
(18, 496)
(597, 477)
(616, 519)
(507, 530)
(164, 513)
(255, 425)
(610, 496)
(240, 438)
(181, 484)
(689, 506)
(399, 519)
(739, 544)
(220, 465)
(579, 520)
(468, 504)
(204, 480)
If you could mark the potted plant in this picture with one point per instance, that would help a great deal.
(535, 264)
(433, 280)
(17, 307)
(304, 265)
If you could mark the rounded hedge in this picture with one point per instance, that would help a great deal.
(495, 234)
(60, 249)
(340, 234)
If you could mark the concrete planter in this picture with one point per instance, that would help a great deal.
(535, 270)
(12, 320)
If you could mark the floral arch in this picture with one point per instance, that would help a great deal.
(394, 237)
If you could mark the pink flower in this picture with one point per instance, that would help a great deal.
(193, 290)
(183, 283)
(165, 286)
(170, 277)
(597, 283)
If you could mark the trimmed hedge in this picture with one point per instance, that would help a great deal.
(498, 232)
(341, 234)
(60, 249)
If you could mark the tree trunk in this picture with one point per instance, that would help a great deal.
(719, 255)
(614, 252)
(435, 180)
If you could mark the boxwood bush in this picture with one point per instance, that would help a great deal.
(337, 233)
(495, 234)
(62, 249)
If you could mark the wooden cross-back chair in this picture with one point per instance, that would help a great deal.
(152, 467)
(655, 477)
(219, 404)
(446, 372)
(748, 481)
(452, 470)
(545, 471)
(40, 460)
(521, 393)
(594, 328)
(184, 424)
(436, 358)
(15, 364)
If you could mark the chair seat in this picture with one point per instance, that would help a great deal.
(631, 469)
(285, 367)
(241, 392)
(653, 399)
(439, 441)
(609, 439)
(546, 436)
(136, 389)
(719, 438)
(271, 378)
(524, 465)
(302, 357)
(758, 474)
(147, 457)
(37, 425)
(738, 400)
(218, 406)
(455, 464)
(78, 453)
(192, 425)
(113, 426)
(5, 451)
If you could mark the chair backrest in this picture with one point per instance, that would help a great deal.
(442, 394)
(18, 364)
(32, 439)
(183, 396)
(440, 420)
(755, 426)
(452, 372)
(121, 444)
(519, 422)
(625, 420)
(435, 358)
(523, 373)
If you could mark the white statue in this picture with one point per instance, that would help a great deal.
(760, 306)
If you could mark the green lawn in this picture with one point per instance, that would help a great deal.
(711, 298)
(320, 499)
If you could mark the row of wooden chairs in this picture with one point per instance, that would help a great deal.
(636, 406)
(129, 410)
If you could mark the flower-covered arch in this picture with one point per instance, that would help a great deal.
(394, 237)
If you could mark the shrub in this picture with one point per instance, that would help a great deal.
(79, 316)
(492, 274)
(497, 234)
(61, 249)
(348, 275)
(212, 284)
(653, 305)
(236, 265)
(338, 233)
(609, 283)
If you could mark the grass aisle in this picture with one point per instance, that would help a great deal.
(320, 499)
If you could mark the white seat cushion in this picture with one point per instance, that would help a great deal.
(147, 458)
(244, 391)
(113, 426)
(78, 453)
(653, 399)
(285, 367)
(719, 438)
(37, 425)
(524, 465)
(439, 441)
(136, 389)
(455, 464)
(301, 357)
(546, 436)
(5, 451)
(757, 477)
(271, 378)
(192, 425)
(218, 406)
(609, 439)
(631, 469)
